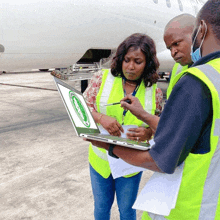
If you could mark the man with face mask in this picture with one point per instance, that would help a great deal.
(191, 120)
(177, 37)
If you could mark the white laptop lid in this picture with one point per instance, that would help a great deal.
(77, 109)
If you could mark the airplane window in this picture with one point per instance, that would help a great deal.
(168, 3)
(155, 1)
(180, 5)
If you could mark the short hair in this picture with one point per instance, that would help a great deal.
(186, 21)
(210, 13)
(147, 46)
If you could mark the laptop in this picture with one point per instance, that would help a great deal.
(83, 121)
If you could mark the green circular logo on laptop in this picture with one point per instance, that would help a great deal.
(78, 107)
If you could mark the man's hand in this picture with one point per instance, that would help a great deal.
(135, 107)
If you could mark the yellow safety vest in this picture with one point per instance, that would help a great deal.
(199, 194)
(177, 68)
(111, 90)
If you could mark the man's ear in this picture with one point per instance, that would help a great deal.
(203, 29)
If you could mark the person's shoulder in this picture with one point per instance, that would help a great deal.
(192, 84)
(97, 75)
(99, 72)
(192, 90)
(189, 78)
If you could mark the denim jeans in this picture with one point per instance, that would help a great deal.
(126, 190)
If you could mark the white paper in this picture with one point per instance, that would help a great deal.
(123, 135)
(120, 168)
(160, 193)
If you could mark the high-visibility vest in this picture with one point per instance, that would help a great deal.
(111, 90)
(177, 68)
(199, 194)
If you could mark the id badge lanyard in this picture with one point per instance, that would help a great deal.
(133, 94)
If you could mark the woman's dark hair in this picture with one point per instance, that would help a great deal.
(147, 46)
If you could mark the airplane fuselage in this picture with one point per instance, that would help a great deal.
(54, 34)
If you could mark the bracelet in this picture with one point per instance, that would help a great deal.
(99, 119)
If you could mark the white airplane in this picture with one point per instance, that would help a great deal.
(57, 34)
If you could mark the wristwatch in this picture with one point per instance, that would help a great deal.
(110, 151)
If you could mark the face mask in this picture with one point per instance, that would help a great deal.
(196, 55)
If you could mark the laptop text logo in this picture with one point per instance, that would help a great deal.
(78, 107)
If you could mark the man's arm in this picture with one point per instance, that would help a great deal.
(132, 156)
(181, 123)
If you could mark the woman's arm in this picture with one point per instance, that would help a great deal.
(159, 101)
(109, 123)
(92, 91)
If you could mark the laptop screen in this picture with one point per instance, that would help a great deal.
(77, 108)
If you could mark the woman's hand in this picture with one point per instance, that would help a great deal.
(111, 125)
(140, 134)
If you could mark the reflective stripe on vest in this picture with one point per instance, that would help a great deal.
(156, 217)
(99, 153)
(213, 177)
(150, 101)
(151, 216)
(176, 70)
(217, 127)
(106, 92)
(213, 76)
(108, 87)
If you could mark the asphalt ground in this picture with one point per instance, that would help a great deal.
(44, 172)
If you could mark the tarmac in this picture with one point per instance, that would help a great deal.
(44, 172)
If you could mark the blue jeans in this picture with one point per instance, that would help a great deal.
(104, 190)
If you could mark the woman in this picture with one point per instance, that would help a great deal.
(133, 70)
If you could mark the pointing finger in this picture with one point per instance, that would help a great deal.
(120, 127)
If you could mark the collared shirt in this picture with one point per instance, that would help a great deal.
(185, 123)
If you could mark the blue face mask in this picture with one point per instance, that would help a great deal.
(196, 55)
